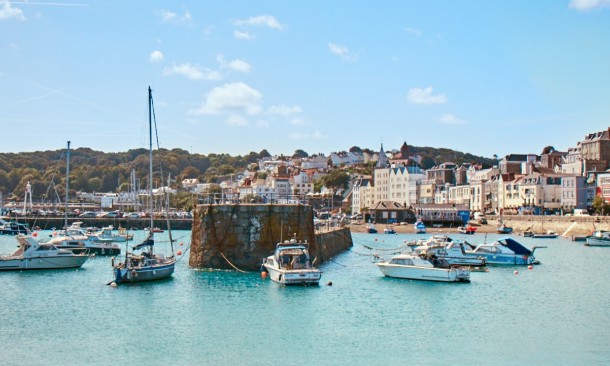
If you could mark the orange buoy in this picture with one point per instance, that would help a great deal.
(264, 274)
(35, 234)
(181, 243)
(179, 252)
(375, 239)
(516, 272)
(530, 267)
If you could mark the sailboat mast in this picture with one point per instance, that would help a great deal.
(150, 160)
(67, 185)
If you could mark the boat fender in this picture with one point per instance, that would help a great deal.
(134, 273)
(112, 261)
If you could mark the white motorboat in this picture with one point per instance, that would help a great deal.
(76, 239)
(600, 238)
(453, 251)
(412, 267)
(34, 255)
(505, 251)
(291, 264)
(106, 234)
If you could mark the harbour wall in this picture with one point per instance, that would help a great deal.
(563, 225)
(239, 236)
(46, 223)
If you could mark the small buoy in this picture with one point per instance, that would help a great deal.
(530, 267)
(375, 239)
(113, 284)
(179, 252)
(330, 283)
(55, 233)
(181, 243)
(516, 272)
(404, 241)
(34, 234)
(264, 274)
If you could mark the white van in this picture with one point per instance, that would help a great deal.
(581, 212)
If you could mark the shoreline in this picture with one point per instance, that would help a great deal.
(567, 227)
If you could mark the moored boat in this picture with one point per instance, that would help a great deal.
(370, 228)
(420, 227)
(13, 228)
(503, 229)
(389, 230)
(147, 266)
(453, 251)
(34, 255)
(505, 251)
(290, 264)
(600, 238)
(413, 267)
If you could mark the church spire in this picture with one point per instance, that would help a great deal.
(382, 162)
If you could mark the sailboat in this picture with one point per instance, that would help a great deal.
(147, 265)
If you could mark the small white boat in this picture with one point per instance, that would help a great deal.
(389, 230)
(76, 239)
(34, 255)
(600, 238)
(412, 267)
(548, 235)
(290, 264)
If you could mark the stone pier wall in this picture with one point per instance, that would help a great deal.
(240, 236)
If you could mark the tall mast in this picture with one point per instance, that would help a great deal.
(67, 184)
(150, 160)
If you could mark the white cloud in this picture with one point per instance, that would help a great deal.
(192, 72)
(316, 135)
(243, 35)
(155, 56)
(231, 99)
(424, 96)
(236, 65)
(284, 110)
(236, 120)
(9, 12)
(414, 31)
(261, 20)
(585, 5)
(340, 51)
(450, 119)
(171, 17)
(298, 122)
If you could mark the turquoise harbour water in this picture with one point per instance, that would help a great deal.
(558, 313)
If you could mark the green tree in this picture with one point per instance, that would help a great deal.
(601, 206)
(336, 179)
(299, 154)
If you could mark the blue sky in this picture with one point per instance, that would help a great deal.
(484, 77)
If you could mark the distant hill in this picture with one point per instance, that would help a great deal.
(96, 171)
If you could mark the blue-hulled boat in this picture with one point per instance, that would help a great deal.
(420, 227)
(505, 251)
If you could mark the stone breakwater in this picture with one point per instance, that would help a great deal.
(240, 236)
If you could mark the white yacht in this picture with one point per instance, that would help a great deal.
(453, 251)
(600, 238)
(76, 239)
(412, 267)
(291, 265)
(34, 255)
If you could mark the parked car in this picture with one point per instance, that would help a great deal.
(131, 215)
(88, 214)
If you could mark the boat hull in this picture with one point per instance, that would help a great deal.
(45, 262)
(425, 274)
(294, 277)
(144, 274)
(521, 260)
(596, 242)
